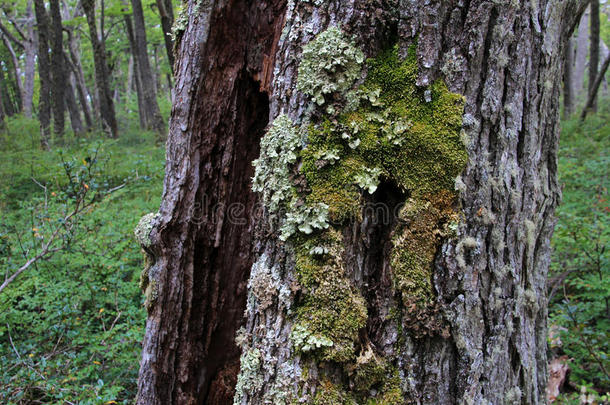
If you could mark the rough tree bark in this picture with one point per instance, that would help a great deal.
(102, 79)
(594, 51)
(44, 73)
(442, 301)
(152, 114)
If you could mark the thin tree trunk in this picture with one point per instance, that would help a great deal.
(568, 81)
(152, 115)
(156, 72)
(79, 76)
(166, 13)
(74, 62)
(582, 51)
(593, 96)
(7, 106)
(604, 52)
(16, 71)
(30, 62)
(330, 316)
(136, 70)
(44, 73)
(130, 73)
(102, 79)
(594, 52)
(72, 106)
(2, 114)
(57, 71)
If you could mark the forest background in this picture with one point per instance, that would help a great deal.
(85, 95)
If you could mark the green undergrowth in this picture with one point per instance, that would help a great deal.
(579, 307)
(71, 326)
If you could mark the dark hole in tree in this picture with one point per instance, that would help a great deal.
(372, 242)
(222, 270)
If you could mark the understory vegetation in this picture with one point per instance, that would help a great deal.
(72, 323)
(579, 279)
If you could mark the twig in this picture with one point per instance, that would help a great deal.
(10, 338)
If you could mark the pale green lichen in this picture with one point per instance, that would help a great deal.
(368, 179)
(263, 284)
(273, 178)
(330, 64)
(149, 283)
(143, 229)
(513, 396)
(304, 218)
(305, 341)
(250, 378)
(530, 232)
(180, 23)
(279, 149)
(332, 309)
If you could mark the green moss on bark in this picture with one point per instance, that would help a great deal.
(384, 130)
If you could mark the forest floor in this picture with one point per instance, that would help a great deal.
(71, 325)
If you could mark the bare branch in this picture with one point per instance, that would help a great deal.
(46, 248)
(10, 36)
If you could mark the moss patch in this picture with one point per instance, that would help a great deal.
(400, 134)
(384, 130)
(332, 307)
(394, 133)
(423, 224)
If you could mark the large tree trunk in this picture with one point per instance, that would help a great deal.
(401, 255)
(594, 51)
(44, 73)
(152, 114)
(102, 78)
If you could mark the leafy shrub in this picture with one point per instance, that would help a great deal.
(71, 326)
(579, 283)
